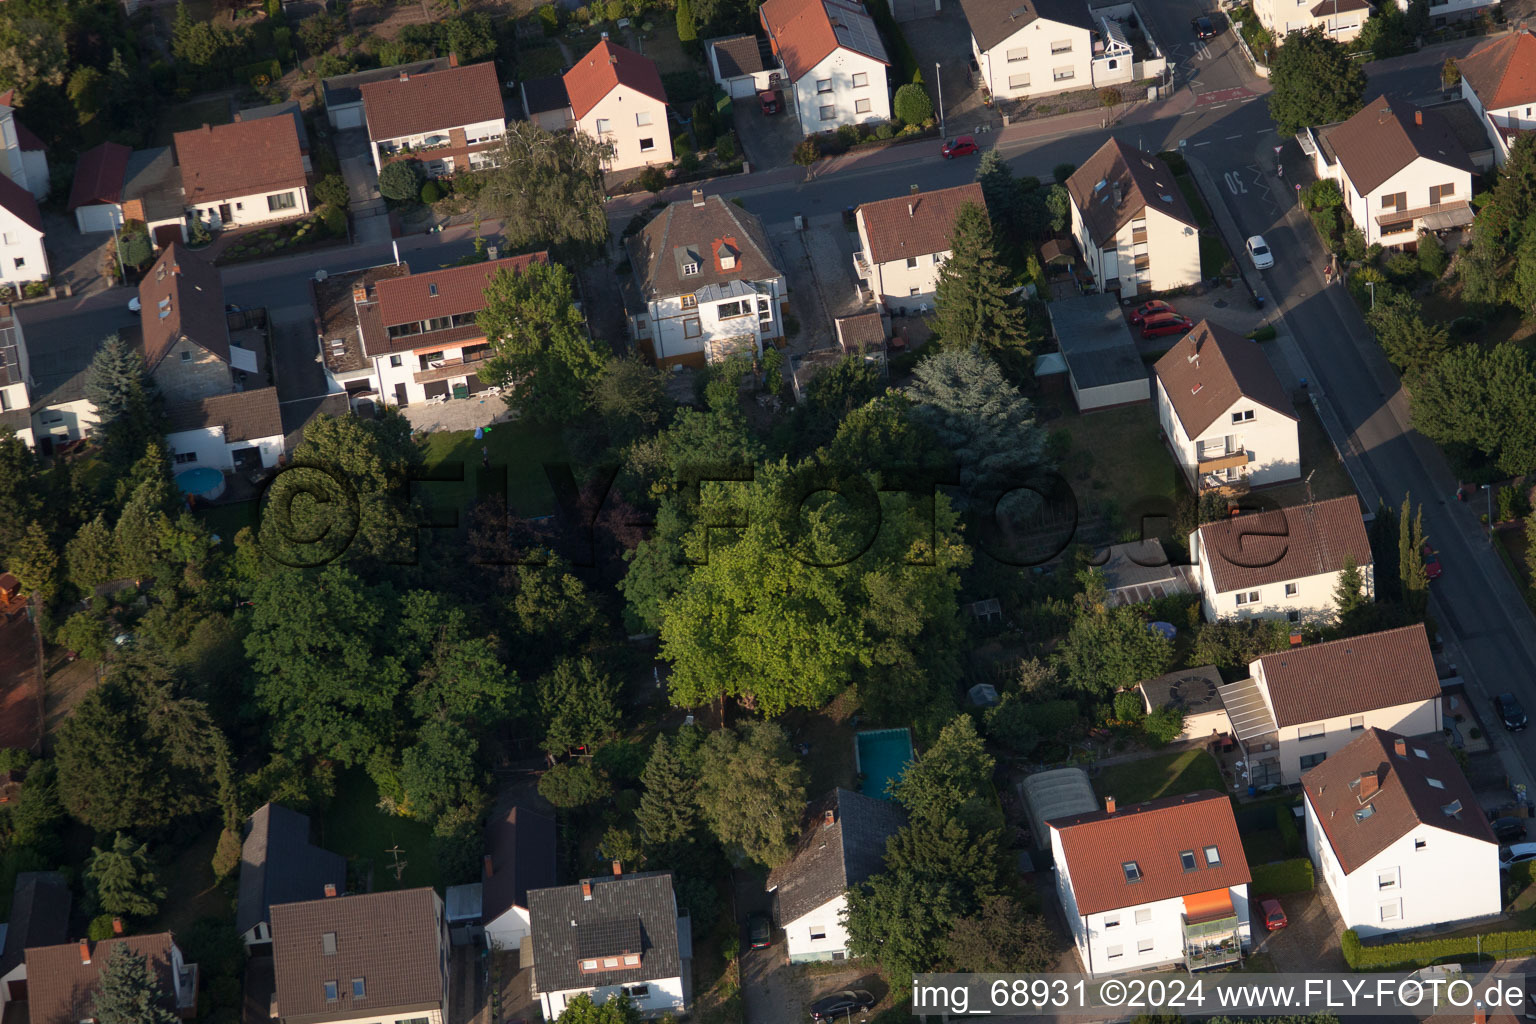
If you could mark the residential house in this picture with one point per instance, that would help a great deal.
(1399, 836)
(617, 98)
(46, 368)
(62, 980)
(1139, 571)
(1152, 884)
(348, 329)
(743, 66)
(842, 843)
(379, 956)
(278, 864)
(1401, 170)
(15, 378)
(835, 64)
(449, 120)
(289, 109)
(39, 917)
(1300, 706)
(1442, 12)
(1281, 563)
(236, 432)
(23, 157)
(343, 94)
(522, 857)
(153, 195)
(1498, 80)
(903, 242)
(22, 256)
(1033, 47)
(611, 935)
(245, 172)
(546, 104)
(1196, 694)
(704, 285)
(184, 328)
(1223, 411)
(1338, 19)
(1132, 223)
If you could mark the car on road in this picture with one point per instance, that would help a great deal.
(1258, 251)
(1274, 915)
(1203, 26)
(960, 145)
(1510, 712)
(1508, 830)
(759, 930)
(771, 100)
(1431, 562)
(1161, 326)
(842, 1005)
(1140, 313)
(1509, 856)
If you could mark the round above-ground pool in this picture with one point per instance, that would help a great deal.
(203, 482)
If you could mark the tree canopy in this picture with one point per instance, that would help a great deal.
(547, 190)
(541, 352)
(752, 790)
(1314, 82)
(973, 309)
(129, 992)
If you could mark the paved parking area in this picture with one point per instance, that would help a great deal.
(945, 40)
(767, 140)
(1310, 941)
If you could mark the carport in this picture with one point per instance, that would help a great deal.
(1056, 794)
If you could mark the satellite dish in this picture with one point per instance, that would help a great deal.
(321, 275)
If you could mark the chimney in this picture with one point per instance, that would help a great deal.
(330, 889)
(1369, 784)
(698, 197)
(827, 818)
(914, 190)
(1109, 805)
(176, 269)
(489, 868)
(453, 60)
(1418, 118)
(605, 37)
(1481, 1016)
(1400, 747)
(237, 117)
(618, 868)
(405, 76)
(85, 951)
(117, 926)
(208, 128)
(586, 890)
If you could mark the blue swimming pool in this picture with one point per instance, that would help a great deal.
(205, 482)
(880, 755)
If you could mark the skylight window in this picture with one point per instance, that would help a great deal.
(1187, 860)
(1435, 783)
(1421, 752)
(1132, 871)
(1365, 812)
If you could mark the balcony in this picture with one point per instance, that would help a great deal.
(1212, 462)
(861, 267)
(446, 368)
(1212, 943)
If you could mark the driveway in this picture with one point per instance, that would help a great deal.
(1310, 941)
(767, 140)
(369, 220)
(945, 40)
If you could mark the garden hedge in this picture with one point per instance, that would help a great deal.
(1492, 946)
(1282, 877)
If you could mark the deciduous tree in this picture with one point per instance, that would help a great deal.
(1314, 82)
(1000, 937)
(547, 190)
(752, 790)
(541, 351)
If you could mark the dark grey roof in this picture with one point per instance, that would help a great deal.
(278, 865)
(152, 176)
(1095, 341)
(289, 108)
(564, 924)
(344, 89)
(685, 233)
(992, 21)
(39, 915)
(830, 858)
(523, 854)
(1137, 564)
(541, 95)
(61, 350)
(738, 56)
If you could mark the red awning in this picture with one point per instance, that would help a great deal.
(1208, 906)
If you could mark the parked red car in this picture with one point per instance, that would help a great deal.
(1274, 915)
(1431, 562)
(1153, 308)
(960, 145)
(772, 102)
(1165, 324)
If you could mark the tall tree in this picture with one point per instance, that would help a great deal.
(1410, 560)
(129, 992)
(1314, 82)
(123, 879)
(547, 190)
(1349, 594)
(1413, 345)
(1000, 938)
(91, 556)
(111, 774)
(1475, 402)
(950, 778)
(973, 310)
(629, 397)
(35, 562)
(668, 812)
(752, 790)
(125, 398)
(1107, 649)
(541, 351)
(580, 706)
(21, 490)
(687, 31)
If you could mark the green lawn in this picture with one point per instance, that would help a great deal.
(538, 61)
(519, 446)
(1318, 456)
(1186, 771)
(662, 46)
(354, 827)
(1116, 454)
(226, 520)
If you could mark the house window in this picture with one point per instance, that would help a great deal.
(395, 361)
(631, 960)
(1292, 589)
(1112, 922)
(1315, 731)
(1115, 952)
(1439, 193)
(186, 357)
(1143, 916)
(603, 125)
(610, 961)
(1420, 845)
(331, 995)
(1187, 860)
(860, 79)
(1113, 64)
(691, 328)
(637, 991)
(646, 145)
(1144, 946)
(861, 106)
(1309, 761)
(1018, 81)
(690, 302)
(1357, 723)
(184, 457)
(911, 262)
(7, 239)
(1395, 201)
(285, 201)
(1386, 879)
(690, 269)
(727, 310)
(818, 932)
(1293, 616)
(828, 113)
(938, 258)
(1143, 261)
(1061, 46)
(1064, 74)
(1392, 910)
(823, 85)
(359, 989)
(589, 965)
(914, 291)
(1246, 416)
(1434, 783)
(1250, 597)
(642, 119)
(1016, 55)
(1132, 871)
(1212, 857)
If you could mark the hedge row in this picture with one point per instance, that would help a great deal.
(1398, 955)
(1282, 877)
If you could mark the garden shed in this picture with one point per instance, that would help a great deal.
(1056, 794)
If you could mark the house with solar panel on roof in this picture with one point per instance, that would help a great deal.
(1153, 884)
(834, 61)
(1398, 836)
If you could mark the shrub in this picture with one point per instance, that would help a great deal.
(1061, 172)
(807, 152)
(400, 180)
(883, 130)
(1354, 244)
(100, 928)
(1129, 706)
(1285, 824)
(1265, 333)
(1163, 726)
(1466, 325)
(912, 104)
(613, 10)
(687, 162)
(430, 193)
(334, 220)
(549, 17)
(704, 122)
(332, 189)
(1402, 268)
(725, 148)
(583, 15)
(573, 785)
(1394, 956)
(1282, 877)
(682, 143)
(1054, 717)
(652, 179)
(1432, 257)
(848, 135)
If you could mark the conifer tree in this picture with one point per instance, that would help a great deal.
(668, 812)
(129, 993)
(973, 307)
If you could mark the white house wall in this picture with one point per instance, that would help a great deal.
(668, 327)
(1441, 10)
(663, 994)
(1035, 68)
(474, 134)
(1270, 438)
(435, 1016)
(508, 929)
(22, 256)
(1415, 179)
(254, 209)
(209, 448)
(897, 285)
(1313, 601)
(67, 421)
(1331, 735)
(622, 110)
(828, 921)
(838, 69)
(98, 218)
(1284, 16)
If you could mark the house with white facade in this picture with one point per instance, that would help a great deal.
(1443, 12)
(449, 120)
(522, 855)
(245, 172)
(239, 431)
(1281, 563)
(23, 157)
(1133, 225)
(278, 864)
(1498, 81)
(1338, 19)
(379, 956)
(1401, 170)
(903, 242)
(842, 843)
(835, 64)
(1300, 706)
(1153, 884)
(22, 256)
(612, 935)
(617, 98)
(1033, 47)
(39, 916)
(1399, 837)
(704, 285)
(64, 978)
(1223, 411)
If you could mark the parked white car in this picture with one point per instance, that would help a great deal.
(1258, 251)
(1509, 856)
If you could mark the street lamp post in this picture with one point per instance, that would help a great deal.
(939, 84)
(1488, 491)
(1372, 286)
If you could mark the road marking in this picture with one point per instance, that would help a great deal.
(1235, 183)
(1202, 143)
(1231, 137)
(1215, 106)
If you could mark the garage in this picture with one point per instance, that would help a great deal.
(349, 116)
(101, 217)
(911, 10)
(742, 66)
(1104, 368)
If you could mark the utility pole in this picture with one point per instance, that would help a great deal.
(939, 84)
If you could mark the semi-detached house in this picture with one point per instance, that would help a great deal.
(1498, 81)
(1338, 19)
(1033, 47)
(1132, 223)
(449, 120)
(903, 243)
(834, 60)
(616, 97)
(243, 173)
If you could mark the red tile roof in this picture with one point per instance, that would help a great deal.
(1351, 676)
(915, 225)
(434, 102)
(1095, 845)
(1209, 369)
(20, 202)
(457, 290)
(99, 176)
(606, 67)
(1285, 544)
(62, 990)
(804, 32)
(188, 290)
(1404, 800)
(245, 158)
(1502, 73)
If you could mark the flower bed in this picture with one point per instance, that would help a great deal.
(280, 240)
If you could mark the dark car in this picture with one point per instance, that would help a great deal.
(759, 931)
(1508, 830)
(1510, 712)
(1153, 308)
(1160, 326)
(771, 101)
(1431, 562)
(960, 145)
(1274, 915)
(1204, 28)
(842, 1005)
